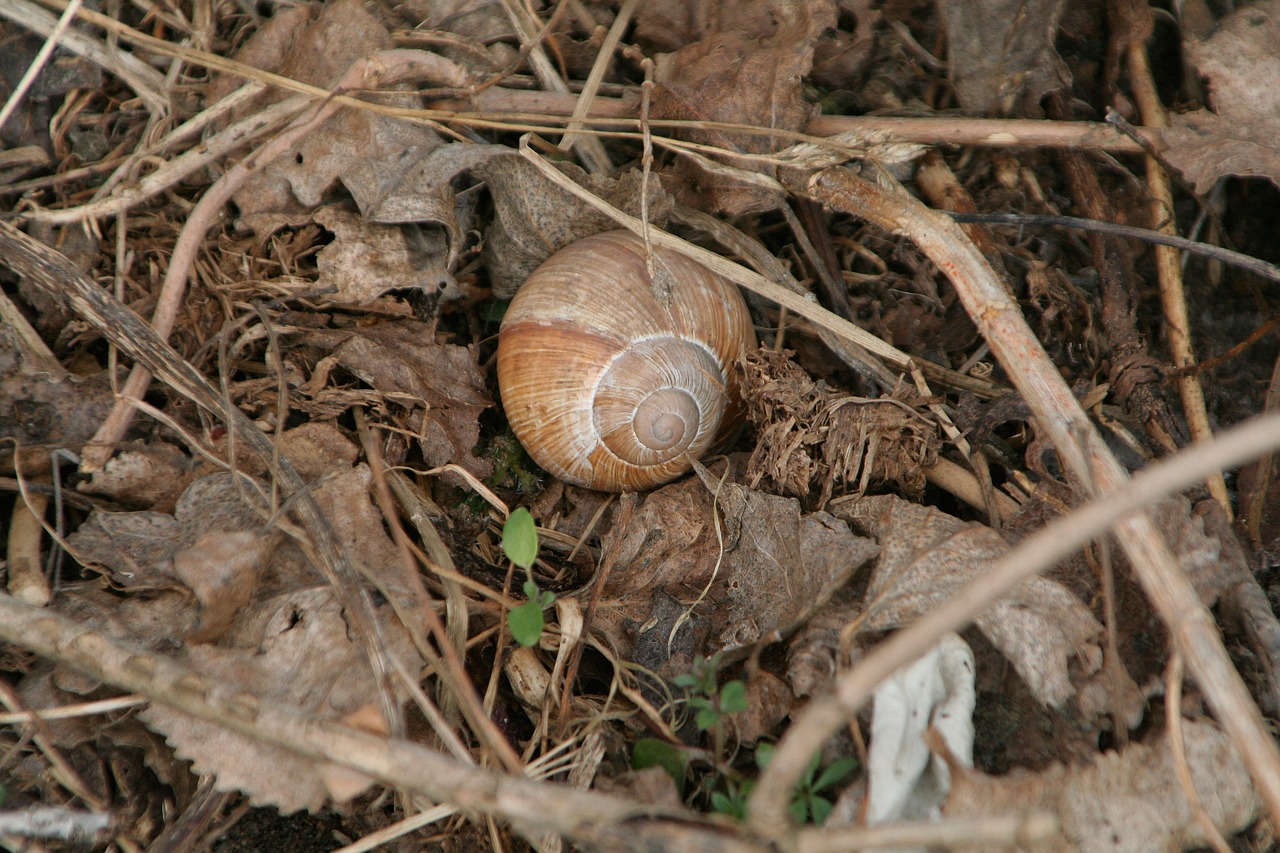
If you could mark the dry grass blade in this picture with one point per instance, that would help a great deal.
(33, 70)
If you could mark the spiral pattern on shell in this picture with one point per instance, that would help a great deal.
(604, 384)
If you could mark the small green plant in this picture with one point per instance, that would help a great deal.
(520, 544)
(707, 699)
(726, 787)
(807, 803)
(732, 802)
(652, 752)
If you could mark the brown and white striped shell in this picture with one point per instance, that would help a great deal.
(604, 384)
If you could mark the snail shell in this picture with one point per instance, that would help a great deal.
(604, 385)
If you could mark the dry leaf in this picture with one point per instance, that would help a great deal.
(533, 217)
(1001, 55)
(764, 565)
(484, 25)
(927, 555)
(222, 570)
(813, 655)
(316, 448)
(297, 649)
(1238, 136)
(1128, 802)
(37, 408)
(137, 549)
(748, 76)
(366, 259)
(769, 701)
(151, 475)
(440, 383)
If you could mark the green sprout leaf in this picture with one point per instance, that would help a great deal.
(651, 752)
(733, 804)
(520, 538)
(707, 719)
(733, 697)
(526, 623)
(838, 771)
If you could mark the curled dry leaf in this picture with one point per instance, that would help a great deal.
(1127, 802)
(1238, 136)
(810, 435)
(297, 649)
(814, 653)
(764, 566)
(534, 218)
(927, 555)
(741, 76)
(391, 169)
(222, 578)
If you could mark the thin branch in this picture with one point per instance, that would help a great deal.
(1256, 266)
(1173, 297)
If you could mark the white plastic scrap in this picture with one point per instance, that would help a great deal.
(906, 781)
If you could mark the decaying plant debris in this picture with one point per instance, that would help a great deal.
(256, 468)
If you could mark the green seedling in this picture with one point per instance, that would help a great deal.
(520, 544)
(709, 701)
(807, 803)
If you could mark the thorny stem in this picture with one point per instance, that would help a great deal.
(1083, 453)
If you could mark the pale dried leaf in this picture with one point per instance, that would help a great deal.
(137, 549)
(1002, 55)
(1128, 802)
(366, 259)
(1243, 68)
(37, 408)
(927, 556)
(652, 786)
(316, 448)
